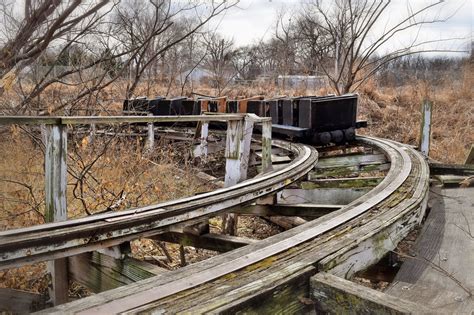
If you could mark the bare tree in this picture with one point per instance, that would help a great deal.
(345, 30)
(43, 22)
(220, 53)
(118, 38)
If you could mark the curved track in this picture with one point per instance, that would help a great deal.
(62, 239)
(271, 275)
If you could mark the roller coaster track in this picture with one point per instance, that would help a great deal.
(63, 239)
(268, 276)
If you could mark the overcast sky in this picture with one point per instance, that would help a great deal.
(254, 20)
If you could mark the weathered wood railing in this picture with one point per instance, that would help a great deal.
(55, 134)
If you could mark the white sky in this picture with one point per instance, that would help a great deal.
(254, 20)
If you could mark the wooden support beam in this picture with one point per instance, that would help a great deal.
(346, 171)
(275, 158)
(233, 171)
(92, 133)
(425, 133)
(303, 210)
(20, 302)
(216, 242)
(151, 135)
(451, 169)
(334, 196)
(245, 143)
(451, 180)
(233, 153)
(55, 166)
(204, 134)
(99, 272)
(286, 222)
(266, 146)
(334, 295)
(356, 182)
(238, 140)
(351, 160)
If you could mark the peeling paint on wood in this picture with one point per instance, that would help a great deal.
(55, 200)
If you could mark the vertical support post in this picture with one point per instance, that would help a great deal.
(151, 135)
(266, 146)
(232, 169)
(204, 135)
(92, 133)
(55, 168)
(232, 152)
(426, 110)
(245, 147)
(470, 156)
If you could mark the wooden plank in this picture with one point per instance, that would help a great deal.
(351, 160)
(439, 274)
(86, 120)
(147, 119)
(330, 196)
(99, 272)
(302, 210)
(29, 120)
(347, 171)
(55, 166)
(336, 295)
(276, 158)
(452, 169)
(425, 133)
(286, 222)
(450, 180)
(287, 292)
(356, 182)
(216, 242)
(20, 302)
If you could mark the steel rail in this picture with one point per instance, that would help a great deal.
(162, 287)
(62, 239)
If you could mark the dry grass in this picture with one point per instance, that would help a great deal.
(394, 113)
(121, 174)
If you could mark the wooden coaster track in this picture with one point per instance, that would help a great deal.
(62, 239)
(272, 275)
(268, 276)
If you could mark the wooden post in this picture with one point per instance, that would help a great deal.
(266, 146)
(55, 168)
(232, 152)
(151, 135)
(245, 147)
(233, 170)
(426, 110)
(470, 156)
(92, 132)
(204, 135)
